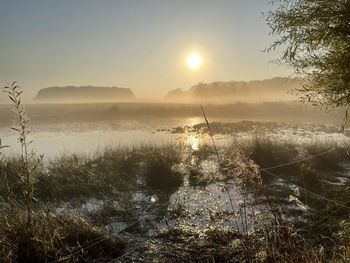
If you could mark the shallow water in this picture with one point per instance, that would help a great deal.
(74, 137)
(89, 137)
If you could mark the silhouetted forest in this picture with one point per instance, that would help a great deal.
(276, 89)
(84, 93)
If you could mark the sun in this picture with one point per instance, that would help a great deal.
(194, 61)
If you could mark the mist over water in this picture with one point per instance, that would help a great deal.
(85, 128)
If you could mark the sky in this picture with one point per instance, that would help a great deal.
(137, 44)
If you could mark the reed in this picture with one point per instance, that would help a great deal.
(28, 160)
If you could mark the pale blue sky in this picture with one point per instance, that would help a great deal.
(139, 44)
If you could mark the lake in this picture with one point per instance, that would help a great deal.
(87, 137)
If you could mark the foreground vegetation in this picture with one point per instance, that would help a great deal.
(115, 175)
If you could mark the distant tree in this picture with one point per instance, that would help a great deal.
(314, 36)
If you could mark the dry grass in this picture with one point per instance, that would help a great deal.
(217, 244)
(52, 238)
(104, 174)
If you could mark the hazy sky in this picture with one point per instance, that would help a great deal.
(128, 43)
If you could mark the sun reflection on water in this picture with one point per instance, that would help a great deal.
(193, 137)
(193, 141)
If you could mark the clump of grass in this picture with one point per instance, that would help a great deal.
(66, 178)
(283, 244)
(343, 237)
(104, 174)
(196, 177)
(109, 173)
(217, 244)
(79, 176)
(159, 173)
(54, 238)
(337, 153)
(236, 165)
(209, 245)
(118, 167)
(11, 185)
(266, 152)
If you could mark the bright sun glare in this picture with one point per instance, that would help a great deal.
(194, 61)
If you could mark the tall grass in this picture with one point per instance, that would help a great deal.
(28, 162)
(109, 173)
(53, 238)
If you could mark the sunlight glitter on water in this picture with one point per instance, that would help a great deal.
(55, 139)
(193, 141)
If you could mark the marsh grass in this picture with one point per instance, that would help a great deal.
(11, 184)
(210, 245)
(52, 238)
(158, 172)
(218, 244)
(342, 236)
(103, 174)
(197, 178)
(267, 152)
(117, 171)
